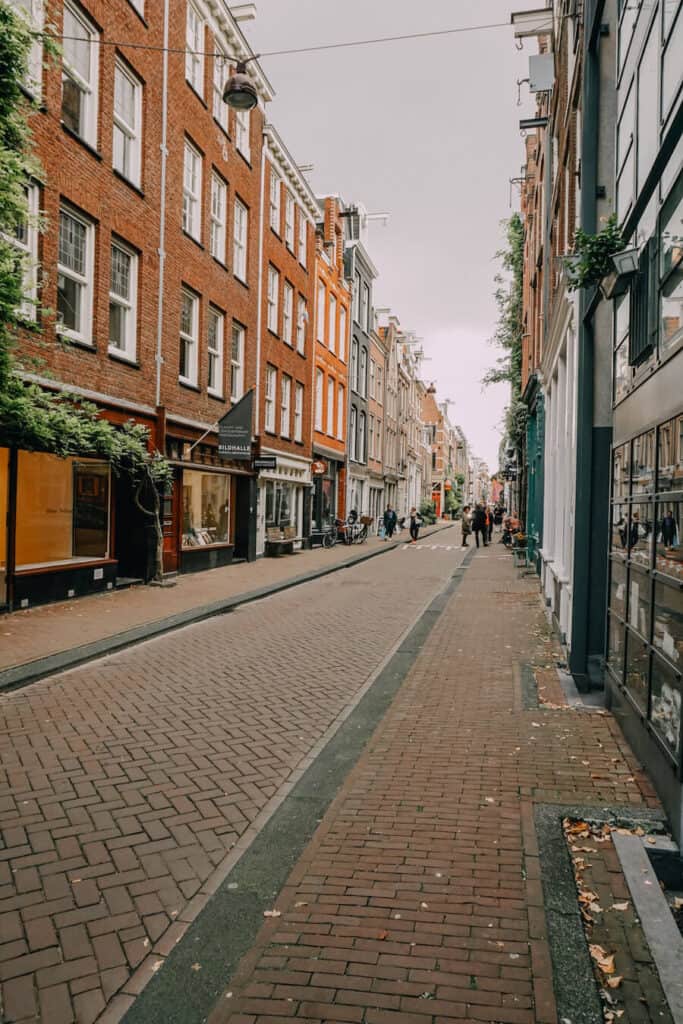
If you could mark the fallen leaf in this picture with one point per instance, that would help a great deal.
(301, 903)
(678, 903)
(382, 935)
(536, 725)
(585, 763)
(490, 800)
(622, 906)
(651, 840)
(272, 913)
(196, 967)
(604, 960)
(615, 982)
(425, 906)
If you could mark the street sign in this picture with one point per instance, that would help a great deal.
(234, 430)
(265, 462)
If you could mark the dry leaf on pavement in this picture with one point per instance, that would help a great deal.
(605, 961)
(620, 906)
(615, 982)
(272, 913)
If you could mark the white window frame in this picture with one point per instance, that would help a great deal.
(192, 193)
(303, 239)
(301, 321)
(330, 407)
(362, 427)
(132, 132)
(371, 437)
(290, 207)
(240, 235)
(191, 338)
(273, 298)
(243, 133)
(298, 411)
(332, 328)
(365, 309)
(195, 31)
(341, 347)
(237, 339)
(352, 433)
(275, 200)
(340, 412)
(269, 403)
(33, 13)
(373, 370)
(321, 312)
(129, 304)
(285, 405)
(27, 247)
(217, 225)
(357, 284)
(355, 356)
(85, 281)
(319, 398)
(288, 314)
(221, 65)
(363, 373)
(88, 87)
(379, 386)
(215, 353)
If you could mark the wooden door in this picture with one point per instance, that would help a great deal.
(171, 526)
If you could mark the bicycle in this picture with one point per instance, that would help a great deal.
(330, 537)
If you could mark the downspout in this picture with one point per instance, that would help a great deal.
(162, 199)
(259, 291)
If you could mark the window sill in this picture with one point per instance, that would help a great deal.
(273, 333)
(70, 339)
(276, 233)
(126, 181)
(197, 94)
(139, 14)
(285, 437)
(193, 239)
(245, 156)
(301, 352)
(271, 433)
(81, 141)
(121, 357)
(240, 280)
(217, 397)
(190, 385)
(221, 264)
(221, 126)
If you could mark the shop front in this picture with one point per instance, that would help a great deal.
(326, 493)
(282, 500)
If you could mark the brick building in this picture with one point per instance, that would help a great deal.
(376, 405)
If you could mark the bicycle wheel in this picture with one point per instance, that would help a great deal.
(329, 539)
(362, 534)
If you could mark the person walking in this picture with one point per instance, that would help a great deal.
(415, 524)
(466, 524)
(489, 522)
(479, 525)
(390, 520)
(669, 529)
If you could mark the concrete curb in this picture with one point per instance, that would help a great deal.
(31, 671)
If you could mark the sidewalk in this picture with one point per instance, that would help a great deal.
(427, 894)
(49, 638)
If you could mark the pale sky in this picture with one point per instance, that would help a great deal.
(427, 131)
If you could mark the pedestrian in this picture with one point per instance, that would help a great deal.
(466, 524)
(415, 524)
(669, 529)
(390, 521)
(489, 522)
(479, 525)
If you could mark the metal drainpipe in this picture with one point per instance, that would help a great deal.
(162, 213)
(259, 289)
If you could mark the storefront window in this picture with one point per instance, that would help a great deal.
(617, 599)
(637, 669)
(641, 534)
(206, 508)
(670, 470)
(668, 616)
(615, 652)
(671, 268)
(669, 548)
(639, 602)
(643, 468)
(62, 510)
(621, 471)
(619, 536)
(666, 704)
(280, 504)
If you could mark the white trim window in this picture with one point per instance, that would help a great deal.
(192, 191)
(289, 220)
(127, 143)
(319, 382)
(271, 382)
(275, 200)
(371, 437)
(340, 412)
(25, 241)
(237, 362)
(288, 313)
(220, 73)
(341, 347)
(285, 405)
(363, 383)
(365, 309)
(356, 297)
(75, 276)
(79, 75)
(298, 412)
(303, 239)
(189, 337)
(33, 13)
(330, 407)
(301, 321)
(361, 437)
(352, 434)
(219, 202)
(321, 312)
(215, 344)
(379, 390)
(273, 298)
(373, 367)
(194, 49)
(123, 279)
(243, 133)
(332, 329)
(354, 365)
(239, 241)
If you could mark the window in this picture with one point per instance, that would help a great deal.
(363, 383)
(75, 276)
(206, 508)
(303, 239)
(79, 75)
(127, 143)
(330, 407)
(123, 275)
(319, 400)
(194, 50)
(365, 309)
(641, 328)
(287, 313)
(281, 504)
(25, 240)
(237, 363)
(285, 404)
(647, 123)
(321, 312)
(189, 333)
(378, 440)
(33, 13)
(341, 347)
(219, 195)
(298, 411)
(672, 62)
(352, 433)
(301, 320)
(192, 192)
(271, 379)
(220, 73)
(340, 412)
(361, 437)
(289, 221)
(239, 241)
(242, 132)
(273, 299)
(354, 365)
(274, 201)
(356, 297)
(671, 269)
(332, 329)
(371, 438)
(215, 351)
(373, 368)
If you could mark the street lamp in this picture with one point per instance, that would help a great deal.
(240, 92)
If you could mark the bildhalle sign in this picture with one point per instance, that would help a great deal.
(234, 430)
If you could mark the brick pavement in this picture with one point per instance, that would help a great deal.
(419, 899)
(127, 784)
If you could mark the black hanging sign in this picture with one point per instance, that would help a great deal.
(234, 430)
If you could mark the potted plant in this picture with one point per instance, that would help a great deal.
(591, 259)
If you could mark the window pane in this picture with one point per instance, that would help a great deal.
(69, 302)
(72, 102)
(76, 44)
(669, 549)
(124, 98)
(668, 622)
(90, 509)
(637, 669)
(120, 272)
(206, 508)
(615, 648)
(670, 471)
(72, 241)
(117, 326)
(672, 64)
(639, 602)
(648, 120)
(186, 316)
(622, 371)
(641, 535)
(617, 599)
(666, 705)
(643, 467)
(621, 471)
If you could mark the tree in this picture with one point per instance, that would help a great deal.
(31, 417)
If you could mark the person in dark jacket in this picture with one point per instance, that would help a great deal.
(479, 525)
(669, 529)
(390, 520)
(415, 524)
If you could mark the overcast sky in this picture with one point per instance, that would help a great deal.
(427, 131)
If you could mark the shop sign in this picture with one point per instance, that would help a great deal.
(319, 467)
(234, 430)
(265, 462)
